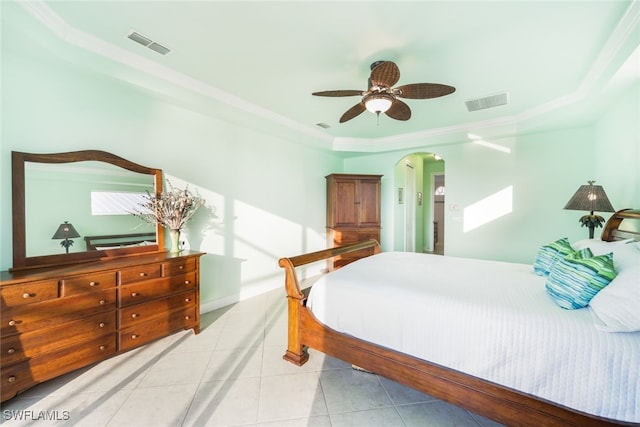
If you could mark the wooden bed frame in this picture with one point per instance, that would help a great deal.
(123, 240)
(502, 404)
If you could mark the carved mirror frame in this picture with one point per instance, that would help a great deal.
(20, 258)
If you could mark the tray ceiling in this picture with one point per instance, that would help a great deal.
(557, 61)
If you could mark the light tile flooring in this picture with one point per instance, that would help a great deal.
(230, 374)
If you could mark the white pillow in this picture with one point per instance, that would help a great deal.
(618, 305)
(599, 247)
(626, 254)
(626, 257)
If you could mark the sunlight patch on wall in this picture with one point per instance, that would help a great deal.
(476, 139)
(488, 209)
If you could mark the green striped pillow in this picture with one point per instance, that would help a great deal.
(550, 254)
(578, 277)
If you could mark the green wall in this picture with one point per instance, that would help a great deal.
(264, 184)
(542, 170)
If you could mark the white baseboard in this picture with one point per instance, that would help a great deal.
(249, 293)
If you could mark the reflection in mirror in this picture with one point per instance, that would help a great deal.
(92, 190)
(95, 197)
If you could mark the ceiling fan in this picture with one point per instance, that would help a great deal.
(381, 97)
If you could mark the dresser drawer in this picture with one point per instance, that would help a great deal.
(19, 377)
(139, 273)
(145, 291)
(145, 312)
(54, 312)
(143, 333)
(32, 344)
(28, 293)
(178, 266)
(88, 283)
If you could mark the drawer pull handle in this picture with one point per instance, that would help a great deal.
(102, 302)
(134, 336)
(181, 267)
(11, 351)
(93, 283)
(187, 282)
(12, 379)
(143, 274)
(187, 299)
(135, 315)
(134, 294)
(103, 347)
(187, 317)
(27, 295)
(102, 324)
(12, 323)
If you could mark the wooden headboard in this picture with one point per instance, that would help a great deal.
(112, 241)
(612, 229)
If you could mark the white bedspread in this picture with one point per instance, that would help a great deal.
(490, 319)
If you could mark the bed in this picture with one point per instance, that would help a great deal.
(489, 363)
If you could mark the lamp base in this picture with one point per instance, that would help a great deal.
(591, 221)
(66, 243)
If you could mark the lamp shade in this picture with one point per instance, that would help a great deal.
(590, 198)
(65, 231)
(378, 102)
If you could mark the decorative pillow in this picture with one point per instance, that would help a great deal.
(618, 305)
(578, 277)
(550, 254)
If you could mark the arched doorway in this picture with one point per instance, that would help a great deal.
(419, 203)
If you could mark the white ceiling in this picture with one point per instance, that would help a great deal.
(555, 58)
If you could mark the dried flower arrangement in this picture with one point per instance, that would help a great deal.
(171, 209)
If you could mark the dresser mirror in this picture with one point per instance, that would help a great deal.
(92, 191)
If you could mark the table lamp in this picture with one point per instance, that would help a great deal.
(590, 198)
(66, 231)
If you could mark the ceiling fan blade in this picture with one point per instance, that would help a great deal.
(352, 112)
(399, 111)
(339, 93)
(385, 74)
(423, 90)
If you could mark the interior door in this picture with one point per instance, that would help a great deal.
(438, 214)
(410, 209)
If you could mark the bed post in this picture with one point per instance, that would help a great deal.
(296, 353)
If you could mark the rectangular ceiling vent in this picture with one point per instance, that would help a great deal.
(489, 101)
(148, 43)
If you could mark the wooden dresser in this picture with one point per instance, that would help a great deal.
(353, 212)
(56, 320)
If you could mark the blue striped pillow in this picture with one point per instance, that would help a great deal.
(578, 277)
(550, 254)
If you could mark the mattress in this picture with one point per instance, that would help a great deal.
(493, 320)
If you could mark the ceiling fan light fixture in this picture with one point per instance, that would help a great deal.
(378, 102)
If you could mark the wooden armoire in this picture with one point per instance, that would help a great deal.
(353, 212)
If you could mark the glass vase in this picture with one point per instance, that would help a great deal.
(174, 238)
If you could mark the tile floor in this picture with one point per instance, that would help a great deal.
(231, 374)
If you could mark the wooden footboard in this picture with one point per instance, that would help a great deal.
(491, 400)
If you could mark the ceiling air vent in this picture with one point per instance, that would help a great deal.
(147, 42)
(489, 101)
